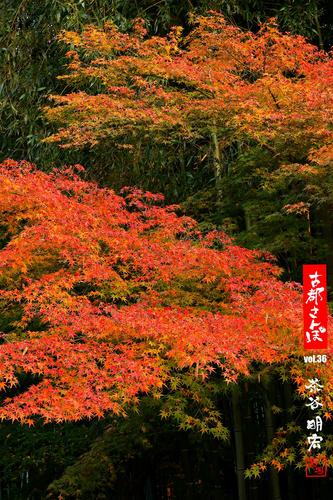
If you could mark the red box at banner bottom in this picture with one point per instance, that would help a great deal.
(315, 306)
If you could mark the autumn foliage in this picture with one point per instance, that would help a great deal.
(270, 88)
(108, 296)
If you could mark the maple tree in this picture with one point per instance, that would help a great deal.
(96, 314)
(32, 56)
(257, 106)
(217, 82)
(110, 296)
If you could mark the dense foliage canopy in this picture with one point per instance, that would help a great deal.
(258, 106)
(268, 87)
(110, 294)
(112, 303)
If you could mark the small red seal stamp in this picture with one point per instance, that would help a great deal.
(314, 467)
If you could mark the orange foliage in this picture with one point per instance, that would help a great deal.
(110, 290)
(271, 88)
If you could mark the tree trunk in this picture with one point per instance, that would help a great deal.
(287, 395)
(319, 33)
(247, 218)
(328, 234)
(273, 476)
(239, 446)
(217, 162)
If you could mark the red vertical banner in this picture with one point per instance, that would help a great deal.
(315, 306)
